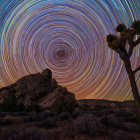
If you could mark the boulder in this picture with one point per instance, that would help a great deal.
(60, 94)
(47, 73)
(39, 89)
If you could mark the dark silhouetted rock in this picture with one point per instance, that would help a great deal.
(40, 90)
(47, 72)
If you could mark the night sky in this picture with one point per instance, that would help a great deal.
(68, 37)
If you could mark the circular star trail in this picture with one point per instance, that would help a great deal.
(68, 37)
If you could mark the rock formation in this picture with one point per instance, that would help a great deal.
(39, 89)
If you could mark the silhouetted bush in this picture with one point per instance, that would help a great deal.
(32, 134)
(3, 114)
(88, 124)
(112, 121)
(30, 119)
(107, 111)
(45, 114)
(49, 113)
(130, 119)
(33, 116)
(27, 134)
(48, 123)
(76, 113)
(85, 107)
(33, 107)
(5, 122)
(132, 127)
(120, 135)
(62, 106)
(33, 113)
(63, 116)
(103, 112)
(99, 107)
(123, 113)
(7, 135)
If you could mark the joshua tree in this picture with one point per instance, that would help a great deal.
(127, 36)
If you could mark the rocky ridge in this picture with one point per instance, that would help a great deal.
(40, 89)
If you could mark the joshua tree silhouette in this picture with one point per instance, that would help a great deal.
(127, 36)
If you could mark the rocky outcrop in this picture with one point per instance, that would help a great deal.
(39, 89)
(59, 94)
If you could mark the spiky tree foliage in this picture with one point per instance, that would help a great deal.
(118, 44)
(113, 41)
(110, 38)
(120, 28)
(136, 26)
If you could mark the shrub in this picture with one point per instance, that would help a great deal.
(33, 113)
(63, 106)
(45, 114)
(123, 113)
(99, 107)
(107, 111)
(63, 116)
(32, 107)
(33, 116)
(120, 135)
(31, 134)
(130, 119)
(30, 118)
(48, 123)
(132, 127)
(5, 122)
(3, 114)
(112, 121)
(18, 114)
(104, 112)
(49, 113)
(27, 134)
(88, 124)
(76, 113)
(7, 135)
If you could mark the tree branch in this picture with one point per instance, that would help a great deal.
(137, 42)
(137, 69)
(130, 51)
(122, 53)
(132, 45)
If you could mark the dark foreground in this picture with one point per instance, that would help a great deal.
(92, 120)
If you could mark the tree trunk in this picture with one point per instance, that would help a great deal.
(135, 93)
(133, 86)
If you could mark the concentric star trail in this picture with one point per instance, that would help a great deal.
(67, 36)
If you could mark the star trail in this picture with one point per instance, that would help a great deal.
(68, 37)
